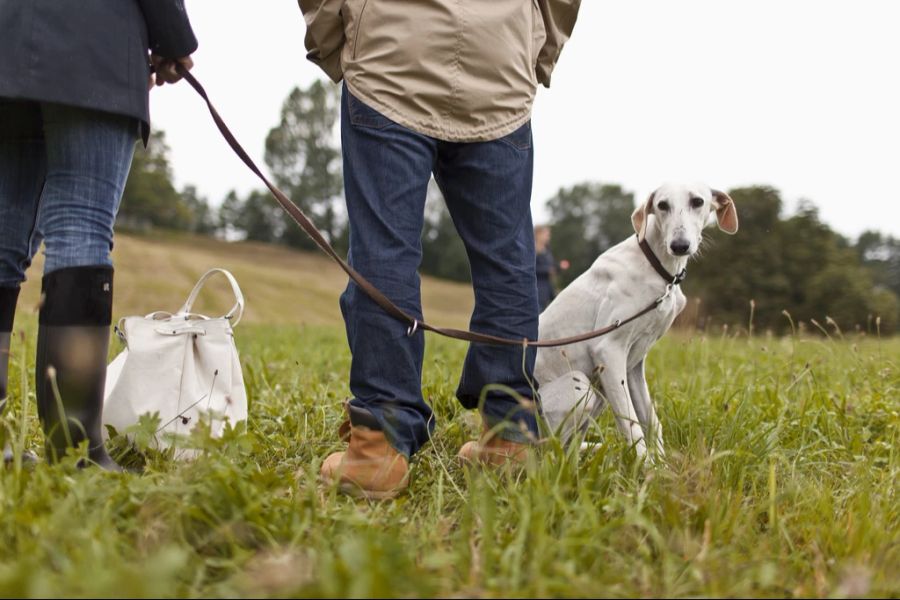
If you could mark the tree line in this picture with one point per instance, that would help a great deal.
(782, 272)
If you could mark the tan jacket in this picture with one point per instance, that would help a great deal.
(456, 70)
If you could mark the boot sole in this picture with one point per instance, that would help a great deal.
(509, 463)
(354, 491)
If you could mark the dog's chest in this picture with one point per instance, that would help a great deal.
(655, 324)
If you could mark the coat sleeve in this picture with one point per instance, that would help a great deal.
(168, 28)
(324, 35)
(559, 21)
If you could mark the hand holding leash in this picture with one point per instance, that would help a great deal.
(168, 70)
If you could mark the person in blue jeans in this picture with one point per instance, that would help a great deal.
(444, 89)
(74, 83)
(487, 188)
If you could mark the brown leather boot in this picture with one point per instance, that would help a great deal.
(370, 468)
(493, 451)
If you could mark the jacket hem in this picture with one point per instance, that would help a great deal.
(481, 134)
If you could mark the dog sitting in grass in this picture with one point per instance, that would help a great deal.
(622, 281)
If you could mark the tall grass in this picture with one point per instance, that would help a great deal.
(781, 480)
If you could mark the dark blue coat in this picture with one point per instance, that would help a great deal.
(89, 53)
(545, 268)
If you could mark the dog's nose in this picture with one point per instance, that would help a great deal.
(680, 247)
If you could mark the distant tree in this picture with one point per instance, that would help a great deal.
(443, 252)
(229, 215)
(304, 158)
(150, 198)
(881, 254)
(797, 264)
(587, 219)
(841, 291)
(732, 270)
(884, 305)
(255, 217)
(202, 218)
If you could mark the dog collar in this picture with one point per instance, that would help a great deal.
(658, 267)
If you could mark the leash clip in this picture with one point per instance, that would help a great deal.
(411, 330)
(668, 293)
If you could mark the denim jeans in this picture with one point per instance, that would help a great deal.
(487, 187)
(62, 173)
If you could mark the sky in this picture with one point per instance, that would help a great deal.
(802, 95)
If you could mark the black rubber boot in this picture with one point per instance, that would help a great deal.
(73, 342)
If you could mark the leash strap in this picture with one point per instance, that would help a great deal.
(379, 298)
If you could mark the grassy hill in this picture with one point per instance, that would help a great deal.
(281, 286)
(780, 478)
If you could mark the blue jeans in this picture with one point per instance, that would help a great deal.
(62, 173)
(487, 187)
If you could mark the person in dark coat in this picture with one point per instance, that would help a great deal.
(545, 266)
(74, 98)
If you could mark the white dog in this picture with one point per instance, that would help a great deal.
(620, 283)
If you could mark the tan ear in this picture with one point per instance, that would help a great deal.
(639, 217)
(726, 213)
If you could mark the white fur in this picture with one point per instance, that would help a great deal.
(620, 283)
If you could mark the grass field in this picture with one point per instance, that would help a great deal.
(781, 477)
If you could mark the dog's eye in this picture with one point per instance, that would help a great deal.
(696, 202)
(663, 206)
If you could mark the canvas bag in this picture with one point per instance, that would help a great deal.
(183, 366)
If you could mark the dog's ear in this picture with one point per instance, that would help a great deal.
(639, 217)
(726, 213)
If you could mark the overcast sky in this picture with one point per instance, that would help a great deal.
(802, 95)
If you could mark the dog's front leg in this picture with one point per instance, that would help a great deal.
(615, 387)
(643, 406)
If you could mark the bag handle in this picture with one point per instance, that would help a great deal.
(237, 311)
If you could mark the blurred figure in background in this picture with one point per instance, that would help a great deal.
(545, 266)
(74, 99)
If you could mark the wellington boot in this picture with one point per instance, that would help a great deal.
(70, 368)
